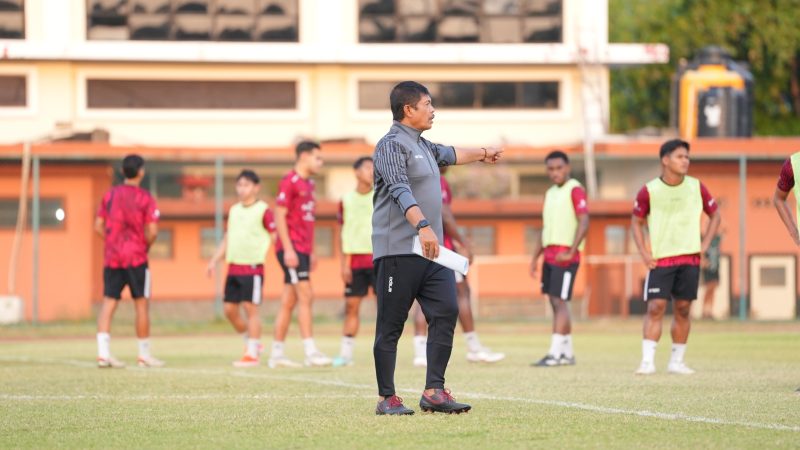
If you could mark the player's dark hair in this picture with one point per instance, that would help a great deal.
(557, 154)
(131, 165)
(248, 175)
(305, 147)
(670, 146)
(405, 93)
(360, 161)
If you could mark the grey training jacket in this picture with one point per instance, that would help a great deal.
(406, 174)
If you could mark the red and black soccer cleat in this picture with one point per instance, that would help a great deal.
(392, 406)
(442, 401)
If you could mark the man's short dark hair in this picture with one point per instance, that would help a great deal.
(249, 175)
(305, 147)
(670, 146)
(131, 165)
(557, 154)
(405, 93)
(360, 161)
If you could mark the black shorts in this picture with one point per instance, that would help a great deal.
(244, 288)
(301, 273)
(676, 282)
(136, 278)
(558, 281)
(363, 279)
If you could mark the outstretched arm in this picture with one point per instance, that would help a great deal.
(489, 155)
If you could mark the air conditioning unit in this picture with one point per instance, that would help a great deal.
(10, 309)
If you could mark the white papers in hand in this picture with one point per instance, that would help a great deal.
(447, 258)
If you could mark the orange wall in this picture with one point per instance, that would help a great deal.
(765, 233)
(71, 258)
(183, 277)
(65, 254)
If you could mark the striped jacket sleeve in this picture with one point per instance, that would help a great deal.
(390, 166)
(445, 155)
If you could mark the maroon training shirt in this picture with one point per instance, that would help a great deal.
(126, 211)
(297, 195)
(786, 180)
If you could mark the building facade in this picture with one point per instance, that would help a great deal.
(202, 87)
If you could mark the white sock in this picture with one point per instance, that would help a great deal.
(421, 347)
(309, 346)
(473, 343)
(556, 345)
(649, 351)
(277, 349)
(245, 337)
(144, 348)
(566, 348)
(252, 347)
(348, 342)
(678, 350)
(103, 345)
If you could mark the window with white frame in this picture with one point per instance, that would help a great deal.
(374, 95)
(193, 20)
(190, 94)
(451, 21)
(13, 91)
(12, 19)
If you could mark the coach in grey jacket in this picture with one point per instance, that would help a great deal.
(408, 203)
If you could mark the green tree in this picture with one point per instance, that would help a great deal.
(763, 33)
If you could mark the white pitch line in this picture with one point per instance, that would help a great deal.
(337, 383)
(147, 397)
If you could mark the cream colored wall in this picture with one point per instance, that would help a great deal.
(470, 127)
(60, 97)
(327, 92)
(327, 106)
(623, 181)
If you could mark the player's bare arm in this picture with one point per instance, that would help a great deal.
(780, 200)
(711, 231)
(346, 271)
(219, 253)
(637, 226)
(537, 252)
(289, 255)
(151, 233)
(580, 235)
(100, 226)
(460, 242)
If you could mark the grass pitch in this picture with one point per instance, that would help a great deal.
(743, 395)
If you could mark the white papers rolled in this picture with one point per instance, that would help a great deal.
(447, 258)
